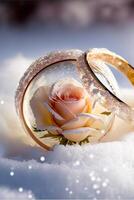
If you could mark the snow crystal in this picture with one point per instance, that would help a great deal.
(20, 189)
(42, 158)
(11, 173)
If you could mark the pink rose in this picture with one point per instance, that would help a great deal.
(66, 108)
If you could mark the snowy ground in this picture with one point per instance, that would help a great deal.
(101, 171)
(104, 171)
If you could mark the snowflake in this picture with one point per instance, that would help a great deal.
(42, 158)
(1, 102)
(77, 163)
(20, 189)
(11, 173)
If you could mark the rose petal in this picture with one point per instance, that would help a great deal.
(55, 114)
(75, 123)
(98, 108)
(109, 121)
(70, 93)
(63, 110)
(68, 109)
(87, 108)
(98, 124)
(41, 114)
(61, 84)
(41, 93)
(78, 134)
(54, 130)
(96, 136)
(59, 122)
(94, 121)
(75, 106)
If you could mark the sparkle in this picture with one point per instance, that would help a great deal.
(93, 178)
(120, 63)
(103, 131)
(95, 186)
(124, 165)
(102, 99)
(77, 181)
(104, 184)
(20, 189)
(11, 173)
(105, 169)
(77, 163)
(30, 196)
(66, 188)
(92, 87)
(1, 102)
(99, 95)
(97, 191)
(91, 156)
(70, 192)
(29, 166)
(42, 158)
(91, 173)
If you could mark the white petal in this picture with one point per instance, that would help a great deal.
(95, 138)
(41, 94)
(41, 114)
(64, 111)
(62, 83)
(52, 129)
(90, 116)
(58, 121)
(98, 124)
(53, 112)
(98, 107)
(108, 120)
(94, 121)
(77, 122)
(78, 134)
(75, 106)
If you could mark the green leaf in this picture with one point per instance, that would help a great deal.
(61, 138)
(46, 135)
(106, 113)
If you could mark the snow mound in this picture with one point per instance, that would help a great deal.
(101, 171)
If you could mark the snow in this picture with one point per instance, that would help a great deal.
(6, 193)
(99, 171)
(70, 172)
